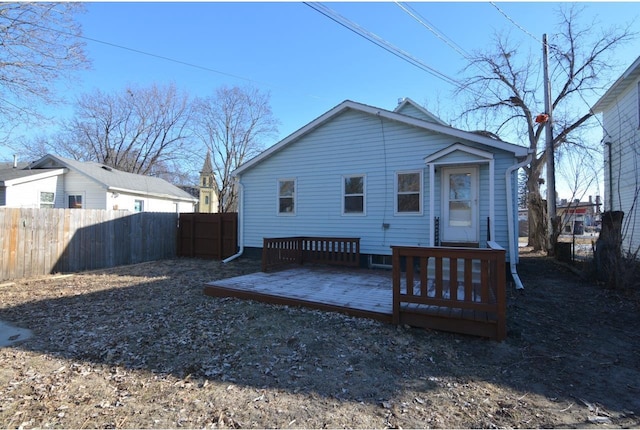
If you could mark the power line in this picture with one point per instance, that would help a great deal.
(440, 35)
(432, 28)
(515, 23)
(149, 54)
(577, 90)
(377, 40)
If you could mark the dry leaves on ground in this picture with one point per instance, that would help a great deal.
(142, 347)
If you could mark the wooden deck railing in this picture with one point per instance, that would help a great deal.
(454, 289)
(277, 252)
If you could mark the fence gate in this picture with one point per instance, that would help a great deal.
(210, 236)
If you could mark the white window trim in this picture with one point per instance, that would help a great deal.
(364, 194)
(420, 192)
(143, 204)
(295, 197)
(75, 193)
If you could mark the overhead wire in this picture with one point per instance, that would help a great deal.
(555, 48)
(439, 34)
(149, 54)
(512, 21)
(433, 29)
(387, 46)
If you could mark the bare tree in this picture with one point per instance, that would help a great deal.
(232, 123)
(579, 171)
(141, 130)
(39, 47)
(509, 93)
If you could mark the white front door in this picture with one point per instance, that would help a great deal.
(460, 204)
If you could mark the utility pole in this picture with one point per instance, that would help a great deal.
(551, 168)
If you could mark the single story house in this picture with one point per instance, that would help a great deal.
(400, 177)
(620, 109)
(57, 182)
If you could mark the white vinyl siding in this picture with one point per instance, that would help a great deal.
(356, 143)
(621, 120)
(126, 201)
(94, 196)
(28, 194)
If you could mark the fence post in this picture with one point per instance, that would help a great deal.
(221, 220)
(265, 254)
(299, 251)
(395, 264)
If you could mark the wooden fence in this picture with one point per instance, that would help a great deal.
(211, 236)
(36, 242)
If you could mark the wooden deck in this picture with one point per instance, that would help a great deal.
(460, 290)
(356, 292)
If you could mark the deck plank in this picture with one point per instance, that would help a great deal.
(358, 292)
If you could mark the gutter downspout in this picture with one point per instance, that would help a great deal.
(240, 225)
(609, 144)
(513, 244)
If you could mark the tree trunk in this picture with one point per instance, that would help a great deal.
(537, 222)
(608, 251)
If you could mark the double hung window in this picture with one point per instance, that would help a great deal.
(409, 192)
(286, 196)
(354, 189)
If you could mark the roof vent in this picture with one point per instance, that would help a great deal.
(107, 168)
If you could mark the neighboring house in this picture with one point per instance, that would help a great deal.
(620, 108)
(208, 188)
(399, 177)
(577, 216)
(56, 182)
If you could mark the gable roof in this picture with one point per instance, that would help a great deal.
(10, 177)
(406, 102)
(458, 147)
(618, 87)
(517, 150)
(115, 180)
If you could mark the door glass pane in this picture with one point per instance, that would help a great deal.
(460, 186)
(460, 200)
(460, 214)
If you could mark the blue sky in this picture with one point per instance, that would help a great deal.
(307, 62)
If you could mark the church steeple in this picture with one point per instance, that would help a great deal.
(207, 186)
(207, 169)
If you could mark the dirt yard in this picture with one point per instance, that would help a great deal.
(142, 347)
